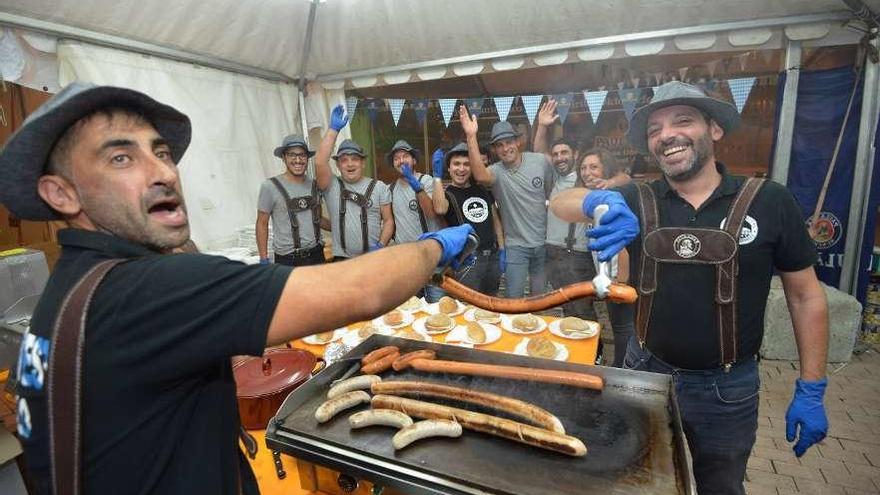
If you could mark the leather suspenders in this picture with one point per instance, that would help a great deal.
(360, 200)
(453, 203)
(422, 220)
(296, 205)
(701, 246)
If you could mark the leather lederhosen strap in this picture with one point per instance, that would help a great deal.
(453, 203)
(360, 200)
(298, 204)
(65, 382)
(570, 240)
(422, 220)
(702, 246)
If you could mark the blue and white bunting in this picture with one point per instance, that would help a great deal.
(530, 105)
(396, 106)
(474, 105)
(351, 104)
(740, 89)
(447, 106)
(595, 101)
(373, 107)
(563, 105)
(502, 106)
(420, 106)
(629, 98)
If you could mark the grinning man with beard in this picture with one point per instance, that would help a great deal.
(359, 206)
(293, 202)
(702, 261)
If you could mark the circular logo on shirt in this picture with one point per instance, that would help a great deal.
(369, 203)
(748, 232)
(826, 230)
(303, 203)
(475, 210)
(414, 205)
(686, 245)
(537, 182)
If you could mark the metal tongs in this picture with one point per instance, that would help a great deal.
(602, 280)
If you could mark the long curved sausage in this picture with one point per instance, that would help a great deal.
(381, 417)
(493, 425)
(574, 379)
(381, 364)
(403, 361)
(379, 354)
(529, 412)
(340, 403)
(362, 382)
(621, 293)
(425, 429)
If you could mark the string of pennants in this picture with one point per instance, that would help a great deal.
(740, 89)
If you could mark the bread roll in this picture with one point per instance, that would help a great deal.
(439, 323)
(411, 304)
(366, 331)
(324, 337)
(486, 316)
(541, 347)
(447, 305)
(525, 323)
(393, 317)
(476, 333)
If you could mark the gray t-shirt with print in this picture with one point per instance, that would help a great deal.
(557, 229)
(272, 202)
(353, 235)
(405, 205)
(521, 193)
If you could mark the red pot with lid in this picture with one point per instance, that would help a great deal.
(264, 382)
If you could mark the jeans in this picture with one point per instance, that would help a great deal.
(485, 275)
(719, 411)
(523, 261)
(432, 293)
(622, 318)
(565, 267)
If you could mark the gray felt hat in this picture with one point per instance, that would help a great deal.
(458, 149)
(402, 145)
(349, 147)
(679, 93)
(27, 152)
(502, 130)
(291, 141)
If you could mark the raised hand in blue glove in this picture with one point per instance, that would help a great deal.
(502, 260)
(376, 246)
(806, 419)
(410, 177)
(437, 163)
(452, 240)
(338, 118)
(619, 225)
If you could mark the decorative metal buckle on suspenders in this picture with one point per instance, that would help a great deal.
(727, 367)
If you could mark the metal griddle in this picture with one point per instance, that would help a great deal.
(632, 431)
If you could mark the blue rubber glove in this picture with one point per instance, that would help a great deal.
(407, 172)
(502, 260)
(338, 119)
(376, 246)
(619, 225)
(437, 163)
(806, 417)
(452, 240)
(264, 261)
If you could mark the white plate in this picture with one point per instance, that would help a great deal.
(459, 334)
(592, 332)
(352, 338)
(420, 307)
(407, 319)
(469, 316)
(433, 309)
(419, 326)
(507, 324)
(424, 336)
(561, 350)
(337, 334)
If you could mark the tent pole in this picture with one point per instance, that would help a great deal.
(785, 134)
(862, 176)
(428, 157)
(301, 86)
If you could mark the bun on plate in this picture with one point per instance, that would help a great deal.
(476, 333)
(525, 323)
(447, 305)
(541, 347)
(439, 323)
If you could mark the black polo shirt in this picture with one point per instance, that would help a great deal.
(683, 330)
(473, 205)
(160, 411)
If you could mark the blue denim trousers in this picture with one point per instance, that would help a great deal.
(485, 275)
(719, 412)
(522, 262)
(564, 267)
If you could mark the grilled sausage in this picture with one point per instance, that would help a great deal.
(493, 425)
(381, 417)
(403, 361)
(529, 412)
(574, 379)
(425, 429)
(379, 354)
(362, 382)
(381, 364)
(338, 404)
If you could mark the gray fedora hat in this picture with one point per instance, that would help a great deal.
(402, 145)
(291, 141)
(679, 93)
(349, 147)
(502, 130)
(458, 149)
(27, 152)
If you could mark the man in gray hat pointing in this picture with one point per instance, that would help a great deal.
(151, 376)
(702, 261)
(293, 202)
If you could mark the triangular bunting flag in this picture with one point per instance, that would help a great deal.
(530, 105)
(563, 105)
(373, 107)
(396, 106)
(474, 105)
(629, 98)
(740, 89)
(447, 106)
(420, 106)
(595, 101)
(351, 104)
(502, 106)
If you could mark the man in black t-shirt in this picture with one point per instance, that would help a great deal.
(467, 203)
(694, 321)
(158, 398)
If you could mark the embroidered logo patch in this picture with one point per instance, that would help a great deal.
(826, 231)
(537, 182)
(749, 231)
(686, 245)
(475, 210)
(414, 205)
(303, 203)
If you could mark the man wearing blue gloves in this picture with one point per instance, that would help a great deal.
(702, 261)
